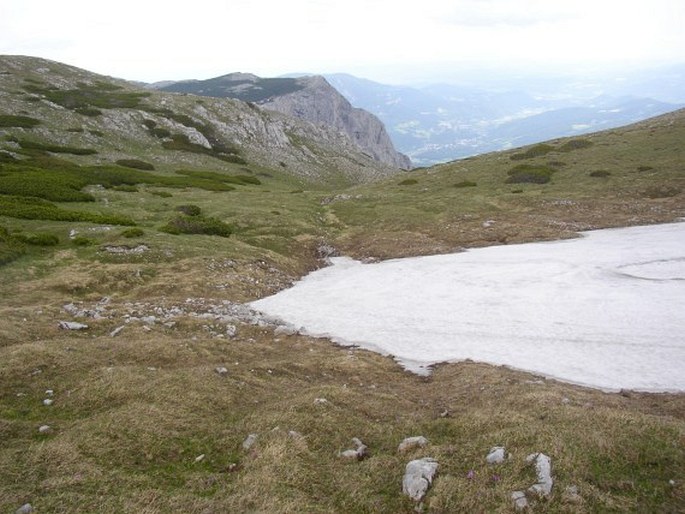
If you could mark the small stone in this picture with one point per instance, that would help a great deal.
(360, 453)
(519, 500)
(285, 330)
(72, 325)
(25, 509)
(418, 477)
(565, 401)
(497, 455)
(49, 392)
(116, 331)
(222, 371)
(571, 495)
(249, 441)
(543, 468)
(411, 443)
(350, 454)
(445, 414)
(44, 429)
(671, 482)
(294, 434)
(200, 458)
(320, 401)
(48, 401)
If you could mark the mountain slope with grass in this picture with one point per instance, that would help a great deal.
(99, 120)
(132, 374)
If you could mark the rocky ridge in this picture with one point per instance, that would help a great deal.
(311, 99)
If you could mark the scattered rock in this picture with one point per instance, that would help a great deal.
(519, 500)
(116, 331)
(418, 477)
(25, 509)
(497, 455)
(360, 453)
(249, 441)
(72, 325)
(285, 330)
(320, 401)
(221, 371)
(295, 435)
(543, 468)
(44, 429)
(411, 443)
(48, 401)
(49, 392)
(445, 414)
(126, 250)
(325, 251)
(571, 495)
(200, 458)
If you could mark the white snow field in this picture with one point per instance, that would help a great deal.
(606, 310)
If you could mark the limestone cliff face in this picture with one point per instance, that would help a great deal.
(318, 102)
(311, 99)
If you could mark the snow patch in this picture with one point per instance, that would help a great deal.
(605, 310)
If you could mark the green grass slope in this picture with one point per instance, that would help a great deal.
(633, 175)
(141, 421)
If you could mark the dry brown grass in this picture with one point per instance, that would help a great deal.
(132, 413)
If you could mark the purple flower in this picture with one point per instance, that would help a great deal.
(470, 474)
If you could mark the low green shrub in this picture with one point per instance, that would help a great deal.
(408, 182)
(10, 247)
(160, 132)
(100, 96)
(133, 232)
(529, 174)
(83, 241)
(39, 239)
(533, 151)
(6, 157)
(645, 168)
(161, 194)
(76, 130)
(189, 210)
(10, 120)
(575, 144)
(600, 173)
(88, 111)
(39, 209)
(34, 145)
(197, 225)
(465, 183)
(136, 164)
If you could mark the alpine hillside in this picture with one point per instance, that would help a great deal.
(107, 120)
(309, 98)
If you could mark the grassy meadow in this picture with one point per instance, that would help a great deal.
(142, 421)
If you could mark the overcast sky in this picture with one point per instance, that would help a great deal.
(393, 41)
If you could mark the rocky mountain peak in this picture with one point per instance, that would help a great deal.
(309, 98)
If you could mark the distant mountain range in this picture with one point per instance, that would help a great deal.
(443, 122)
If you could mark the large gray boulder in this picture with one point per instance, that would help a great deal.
(418, 477)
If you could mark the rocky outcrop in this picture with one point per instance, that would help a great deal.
(311, 99)
(320, 103)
